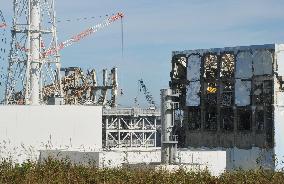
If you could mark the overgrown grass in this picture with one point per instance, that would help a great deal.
(64, 172)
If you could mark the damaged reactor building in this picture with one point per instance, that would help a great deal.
(232, 99)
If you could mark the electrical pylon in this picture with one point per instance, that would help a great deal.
(33, 32)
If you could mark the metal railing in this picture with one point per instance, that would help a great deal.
(131, 112)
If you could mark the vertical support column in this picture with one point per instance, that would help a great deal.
(155, 124)
(114, 87)
(57, 56)
(219, 85)
(118, 131)
(168, 148)
(35, 51)
(202, 96)
(27, 79)
(107, 132)
(94, 91)
(143, 133)
(131, 139)
(104, 91)
(105, 77)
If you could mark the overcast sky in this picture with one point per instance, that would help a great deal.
(155, 28)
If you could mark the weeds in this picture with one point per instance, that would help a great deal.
(52, 171)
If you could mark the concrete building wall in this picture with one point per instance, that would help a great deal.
(249, 158)
(279, 109)
(26, 129)
(214, 160)
(279, 140)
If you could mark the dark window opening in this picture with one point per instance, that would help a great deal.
(211, 93)
(227, 119)
(259, 120)
(267, 96)
(179, 67)
(263, 92)
(194, 119)
(227, 94)
(269, 127)
(258, 93)
(211, 118)
(244, 119)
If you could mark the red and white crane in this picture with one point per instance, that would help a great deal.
(83, 34)
(78, 37)
(3, 25)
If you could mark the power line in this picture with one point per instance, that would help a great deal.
(83, 18)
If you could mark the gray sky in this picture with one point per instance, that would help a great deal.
(154, 28)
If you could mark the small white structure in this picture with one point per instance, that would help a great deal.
(24, 130)
(197, 160)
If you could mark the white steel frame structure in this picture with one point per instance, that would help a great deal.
(130, 127)
(33, 32)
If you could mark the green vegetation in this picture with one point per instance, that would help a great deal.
(64, 172)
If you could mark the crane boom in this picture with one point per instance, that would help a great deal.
(83, 34)
(3, 25)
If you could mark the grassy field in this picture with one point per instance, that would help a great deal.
(63, 172)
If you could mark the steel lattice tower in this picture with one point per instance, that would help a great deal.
(33, 32)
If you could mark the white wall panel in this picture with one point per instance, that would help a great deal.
(279, 133)
(280, 59)
(54, 127)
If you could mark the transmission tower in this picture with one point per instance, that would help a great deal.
(33, 32)
(3, 50)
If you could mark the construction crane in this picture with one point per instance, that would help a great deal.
(3, 24)
(148, 96)
(78, 37)
(84, 34)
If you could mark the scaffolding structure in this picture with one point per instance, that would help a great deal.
(130, 127)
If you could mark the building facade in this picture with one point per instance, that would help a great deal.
(231, 98)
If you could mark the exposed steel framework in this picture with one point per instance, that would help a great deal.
(130, 127)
